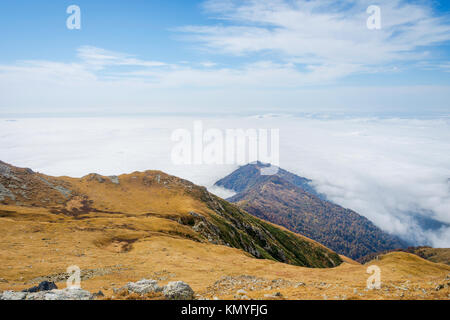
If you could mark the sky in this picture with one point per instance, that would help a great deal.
(224, 57)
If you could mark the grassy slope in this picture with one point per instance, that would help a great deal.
(142, 229)
(36, 243)
(183, 208)
(437, 255)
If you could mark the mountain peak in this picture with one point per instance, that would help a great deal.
(250, 175)
(290, 201)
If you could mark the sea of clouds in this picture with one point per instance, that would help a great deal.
(394, 171)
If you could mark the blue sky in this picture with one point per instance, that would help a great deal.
(37, 29)
(224, 56)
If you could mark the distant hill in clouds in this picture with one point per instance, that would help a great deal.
(290, 201)
(437, 255)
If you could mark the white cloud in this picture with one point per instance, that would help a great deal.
(326, 32)
(221, 192)
(91, 83)
(326, 36)
(160, 75)
(208, 64)
(99, 58)
(384, 169)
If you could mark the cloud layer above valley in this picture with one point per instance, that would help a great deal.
(255, 57)
(389, 170)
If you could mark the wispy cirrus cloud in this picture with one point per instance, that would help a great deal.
(96, 82)
(97, 64)
(322, 31)
(100, 58)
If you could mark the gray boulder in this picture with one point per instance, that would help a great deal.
(143, 286)
(12, 295)
(68, 294)
(43, 286)
(114, 179)
(65, 294)
(178, 290)
(36, 295)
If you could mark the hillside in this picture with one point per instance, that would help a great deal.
(155, 202)
(437, 255)
(149, 225)
(289, 200)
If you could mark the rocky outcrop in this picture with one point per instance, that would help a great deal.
(6, 172)
(4, 192)
(178, 290)
(47, 291)
(64, 191)
(24, 187)
(114, 179)
(43, 286)
(94, 177)
(143, 286)
(208, 230)
(65, 294)
(12, 295)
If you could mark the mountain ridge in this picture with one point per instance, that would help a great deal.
(150, 225)
(192, 211)
(249, 175)
(283, 199)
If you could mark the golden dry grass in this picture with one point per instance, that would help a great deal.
(36, 243)
(138, 193)
(129, 231)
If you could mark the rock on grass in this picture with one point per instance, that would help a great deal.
(178, 290)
